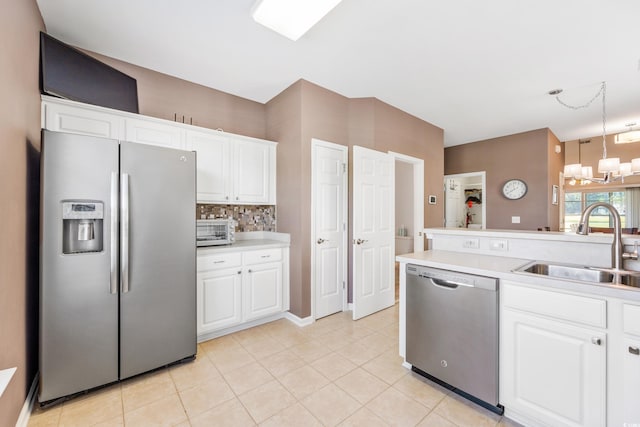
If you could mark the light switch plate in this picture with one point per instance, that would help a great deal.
(515, 220)
(499, 245)
(471, 243)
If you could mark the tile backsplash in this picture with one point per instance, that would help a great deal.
(249, 218)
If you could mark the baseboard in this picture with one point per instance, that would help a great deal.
(216, 334)
(25, 413)
(302, 322)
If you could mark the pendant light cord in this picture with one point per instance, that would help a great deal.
(603, 92)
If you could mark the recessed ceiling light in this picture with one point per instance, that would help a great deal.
(555, 92)
(291, 18)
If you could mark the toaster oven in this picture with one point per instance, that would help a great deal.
(210, 232)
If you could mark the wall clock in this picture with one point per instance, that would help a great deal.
(514, 189)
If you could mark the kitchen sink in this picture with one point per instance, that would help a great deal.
(560, 271)
(629, 280)
(582, 273)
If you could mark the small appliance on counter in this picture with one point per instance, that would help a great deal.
(211, 232)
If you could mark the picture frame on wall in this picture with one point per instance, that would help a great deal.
(554, 195)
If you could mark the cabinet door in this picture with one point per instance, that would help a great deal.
(219, 299)
(252, 172)
(153, 133)
(631, 392)
(552, 371)
(213, 166)
(82, 121)
(262, 290)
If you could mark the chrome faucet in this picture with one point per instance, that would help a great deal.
(617, 249)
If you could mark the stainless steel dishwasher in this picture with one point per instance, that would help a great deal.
(452, 331)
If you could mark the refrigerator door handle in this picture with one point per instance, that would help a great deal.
(113, 277)
(124, 233)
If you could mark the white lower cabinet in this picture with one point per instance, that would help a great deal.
(553, 372)
(263, 290)
(237, 288)
(220, 299)
(631, 382)
(556, 372)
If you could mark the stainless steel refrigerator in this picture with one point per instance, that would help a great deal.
(117, 261)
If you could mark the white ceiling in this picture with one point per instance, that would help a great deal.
(477, 69)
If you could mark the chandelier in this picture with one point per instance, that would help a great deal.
(611, 168)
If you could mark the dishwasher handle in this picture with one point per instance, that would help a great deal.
(448, 284)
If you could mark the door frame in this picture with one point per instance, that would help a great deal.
(418, 197)
(345, 211)
(483, 180)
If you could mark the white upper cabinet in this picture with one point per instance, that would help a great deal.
(212, 155)
(254, 171)
(234, 169)
(83, 121)
(153, 133)
(231, 168)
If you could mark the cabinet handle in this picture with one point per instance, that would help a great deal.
(265, 256)
(237, 197)
(218, 262)
(250, 271)
(226, 198)
(596, 341)
(240, 272)
(634, 350)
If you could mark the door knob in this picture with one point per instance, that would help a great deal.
(360, 241)
(321, 240)
(596, 341)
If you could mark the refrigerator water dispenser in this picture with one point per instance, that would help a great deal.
(82, 226)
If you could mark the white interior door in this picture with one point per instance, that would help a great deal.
(373, 231)
(329, 238)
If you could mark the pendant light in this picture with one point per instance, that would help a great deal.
(610, 167)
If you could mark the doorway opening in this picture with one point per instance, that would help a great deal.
(465, 200)
(409, 208)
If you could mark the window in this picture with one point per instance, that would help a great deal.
(576, 202)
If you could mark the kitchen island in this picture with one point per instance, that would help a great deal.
(568, 349)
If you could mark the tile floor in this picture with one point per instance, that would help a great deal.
(333, 372)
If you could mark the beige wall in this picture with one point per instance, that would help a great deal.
(525, 156)
(20, 23)
(555, 165)
(284, 114)
(590, 152)
(163, 96)
(332, 117)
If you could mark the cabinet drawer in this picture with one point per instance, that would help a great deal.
(218, 261)
(574, 308)
(263, 255)
(631, 319)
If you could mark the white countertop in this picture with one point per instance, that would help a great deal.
(502, 268)
(531, 235)
(250, 240)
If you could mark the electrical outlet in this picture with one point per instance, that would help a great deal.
(499, 245)
(471, 243)
(515, 220)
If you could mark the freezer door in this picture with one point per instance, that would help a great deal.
(78, 305)
(158, 262)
